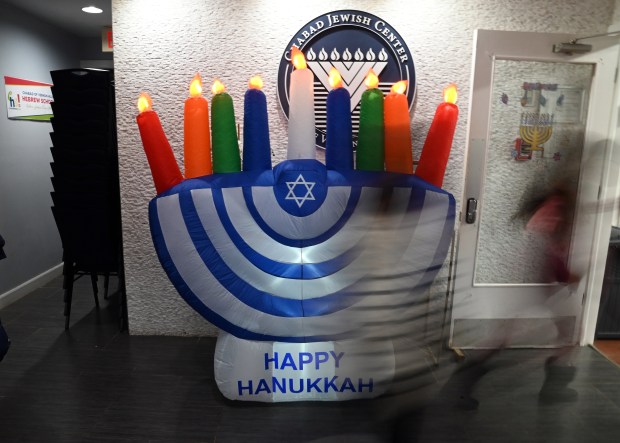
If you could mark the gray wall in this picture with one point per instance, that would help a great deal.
(30, 49)
(91, 55)
(159, 45)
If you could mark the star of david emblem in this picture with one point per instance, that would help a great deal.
(300, 181)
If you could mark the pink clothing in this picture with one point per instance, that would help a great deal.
(550, 219)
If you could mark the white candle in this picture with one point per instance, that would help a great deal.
(301, 138)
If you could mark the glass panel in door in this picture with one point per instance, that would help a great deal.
(536, 136)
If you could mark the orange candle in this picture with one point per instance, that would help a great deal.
(197, 137)
(164, 167)
(438, 143)
(398, 157)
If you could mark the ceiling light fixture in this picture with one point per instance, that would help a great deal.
(92, 10)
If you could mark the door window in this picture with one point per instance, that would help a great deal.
(536, 137)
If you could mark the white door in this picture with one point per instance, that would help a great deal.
(536, 118)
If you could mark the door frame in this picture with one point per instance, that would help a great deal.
(608, 213)
(507, 45)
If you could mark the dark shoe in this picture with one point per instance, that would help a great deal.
(5, 343)
(557, 395)
(555, 387)
(467, 403)
(462, 383)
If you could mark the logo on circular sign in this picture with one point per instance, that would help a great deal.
(353, 42)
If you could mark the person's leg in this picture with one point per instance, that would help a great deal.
(560, 370)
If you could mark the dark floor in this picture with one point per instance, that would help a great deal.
(94, 384)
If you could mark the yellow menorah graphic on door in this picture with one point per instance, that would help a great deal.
(536, 129)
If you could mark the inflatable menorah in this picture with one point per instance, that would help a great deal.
(303, 266)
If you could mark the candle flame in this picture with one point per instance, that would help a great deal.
(298, 59)
(372, 81)
(218, 87)
(450, 93)
(399, 87)
(335, 79)
(144, 102)
(195, 87)
(256, 82)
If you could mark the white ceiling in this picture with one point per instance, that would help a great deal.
(68, 15)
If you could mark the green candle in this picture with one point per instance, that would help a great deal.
(370, 151)
(224, 143)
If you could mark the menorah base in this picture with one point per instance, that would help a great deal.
(319, 371)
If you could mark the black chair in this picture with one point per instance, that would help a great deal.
(86, 196)
(5, 343)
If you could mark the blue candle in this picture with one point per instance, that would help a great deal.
(256, 147)
(339, 140)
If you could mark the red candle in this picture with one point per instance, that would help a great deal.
(398, 157)
(436, 151)
(164, 167)
(197, 136)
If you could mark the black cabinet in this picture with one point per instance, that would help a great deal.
(86, 196)
(608, 323)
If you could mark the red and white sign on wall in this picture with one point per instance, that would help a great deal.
(107, 43)
(27, 99)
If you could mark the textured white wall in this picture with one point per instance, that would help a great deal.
(159, 45)
(616, 18)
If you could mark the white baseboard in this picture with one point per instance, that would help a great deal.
(25, 288)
